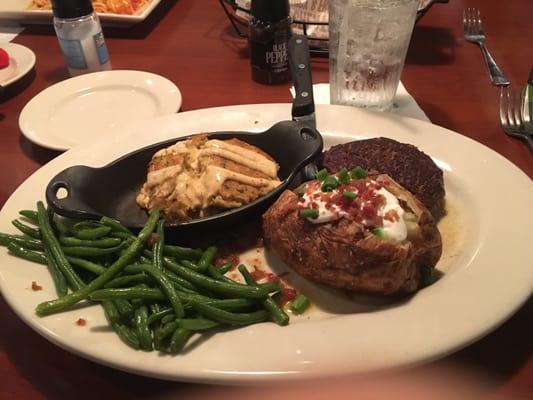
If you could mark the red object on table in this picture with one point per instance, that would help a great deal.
(194, 45)
(4, 59)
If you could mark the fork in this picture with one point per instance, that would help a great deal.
(473, 32)
(511, 118)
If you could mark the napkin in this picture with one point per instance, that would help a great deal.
(404, 104)
(9, 31)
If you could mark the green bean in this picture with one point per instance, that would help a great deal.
(50, 241)
(228, 317)
(300, 304)
(155, 317)
(192, 266)
(115, 225)
(30, 244)
(223, 288)
(182, 252)
(186, 285)
(270, 287)
(225, 268)
(275, 311)
(26, 254)
(128, 257)
(30, 215)
(165, 330)
(155, 308)
(34, 233)
(84, 251)
(197, 324)
(120, 235)
(178, 339)
(90, 230)
(168, 318)
(100, 243)
(110, 311)
(96, 269)
(124, 333)
(207, 256)
(60, 282)
(156, 294)
(216, 274)
(61, 227)
(158, 246)
(127, 293)
(125, 309)
(166, 286)
(141, 328)
(128, 280)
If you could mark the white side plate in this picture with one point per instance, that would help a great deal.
(486, 264)
(78, 110)
(21, 61)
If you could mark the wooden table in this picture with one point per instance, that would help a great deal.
(192, 43)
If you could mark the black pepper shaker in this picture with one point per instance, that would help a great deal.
(270, 30)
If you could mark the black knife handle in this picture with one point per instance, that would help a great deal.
(303, 103)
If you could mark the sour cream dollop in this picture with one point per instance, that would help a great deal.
(373, 206)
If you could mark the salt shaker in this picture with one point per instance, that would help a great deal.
(80, 36)
(270, 30)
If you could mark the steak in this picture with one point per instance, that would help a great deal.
(406, 164)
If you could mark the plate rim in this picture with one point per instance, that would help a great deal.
(210, 376)
(78, 81)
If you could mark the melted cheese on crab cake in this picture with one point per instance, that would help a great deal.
(199, 177)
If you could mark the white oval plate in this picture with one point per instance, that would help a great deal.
(21, 61)
(486, 264)
(80, 109)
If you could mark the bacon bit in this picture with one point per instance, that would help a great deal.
(81, 322)
(392, 215)
(259, 274)
(369, 211)
(35, 287)
(225, 258)
(288, 294)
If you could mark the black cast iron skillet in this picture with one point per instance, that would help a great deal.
(111, 190)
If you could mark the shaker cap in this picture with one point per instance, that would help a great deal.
(71, 8)
(270, 10)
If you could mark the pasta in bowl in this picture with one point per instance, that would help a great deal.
(124, 7)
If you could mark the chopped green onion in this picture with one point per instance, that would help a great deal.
(358, 173)
(309, 213)
(329, 184)
(379, 232)
(322, 174)
(300, 304)
(349, 195)
(343, 176)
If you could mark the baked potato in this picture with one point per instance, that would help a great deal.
(348, 252)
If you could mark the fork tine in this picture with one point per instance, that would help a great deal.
(465, 21)
(479, 23)
(516, 109)
(510, 109)
(503, 107)
(469, 20)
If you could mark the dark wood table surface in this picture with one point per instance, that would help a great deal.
(192, 43)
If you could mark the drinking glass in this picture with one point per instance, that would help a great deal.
(368, 41)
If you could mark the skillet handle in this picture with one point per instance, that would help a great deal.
(304, 103)
(71, 205)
